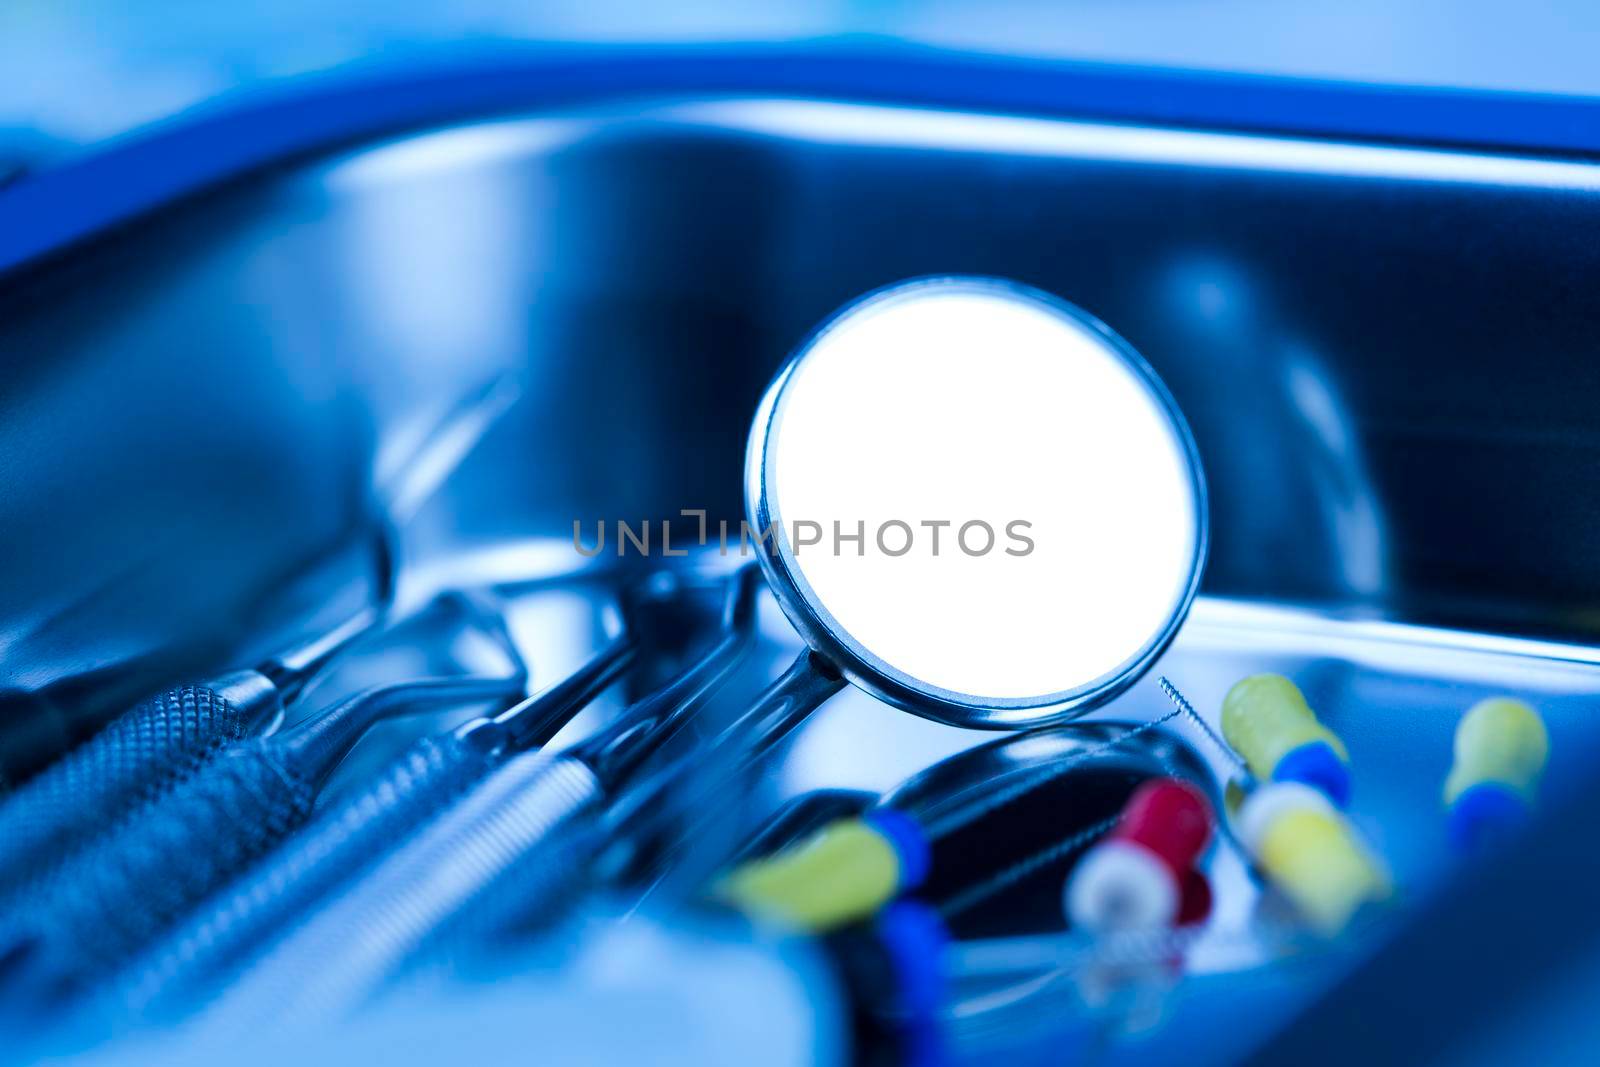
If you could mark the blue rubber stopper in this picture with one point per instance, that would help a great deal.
(1316, 764)
(1486, 813)
(907, 840)
(914, 938)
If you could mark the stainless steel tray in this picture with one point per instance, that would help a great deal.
(1385, 351)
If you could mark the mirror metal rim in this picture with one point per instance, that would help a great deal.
(859, 665)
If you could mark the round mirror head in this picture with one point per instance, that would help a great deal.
(977, 502)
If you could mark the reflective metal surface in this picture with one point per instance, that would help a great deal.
(1390, 423)
(991, 767)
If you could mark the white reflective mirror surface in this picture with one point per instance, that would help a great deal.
(984, 507)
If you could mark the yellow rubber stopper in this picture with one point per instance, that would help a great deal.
(1499, 740)
(1265, 717)
(843, 872)
(1313, 857)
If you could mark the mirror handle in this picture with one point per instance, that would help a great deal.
(786, 703)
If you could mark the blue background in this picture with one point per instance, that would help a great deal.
(77, 71)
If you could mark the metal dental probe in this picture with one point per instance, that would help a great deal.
(343, 841)
(349, 948)
(113, 896)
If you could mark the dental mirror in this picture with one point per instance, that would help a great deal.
(975, 502)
